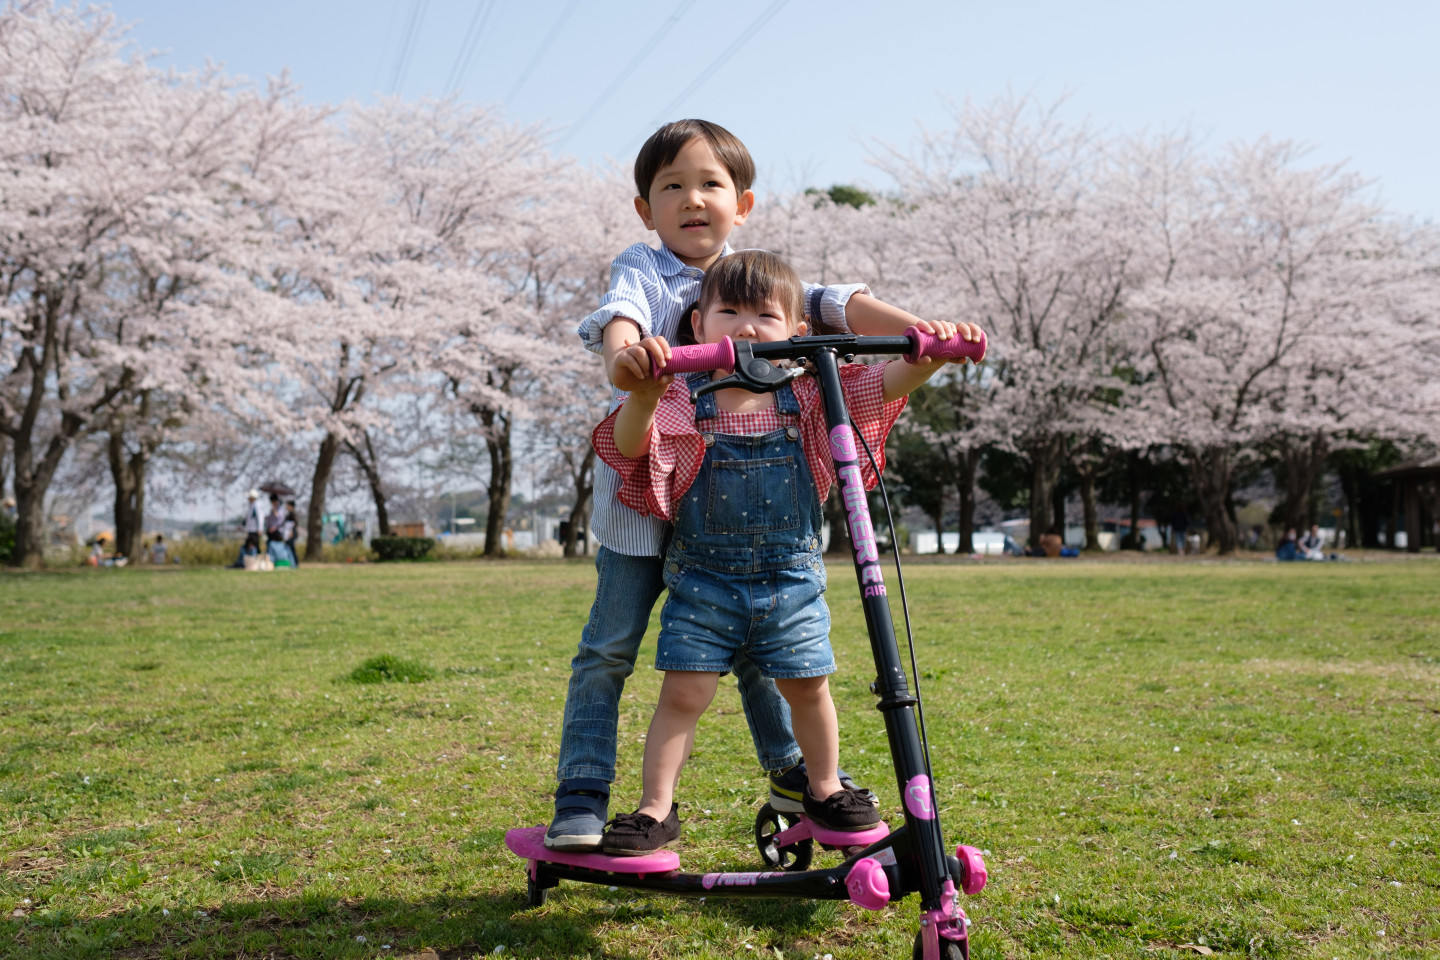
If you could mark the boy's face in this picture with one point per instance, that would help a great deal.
(759, 324)
(693, 205)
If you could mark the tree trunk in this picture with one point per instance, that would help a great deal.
(1044, 475)
(1360, 523)
(29, 527)
(584, 477)
(502, 465)
(938, 518)
(1413, 533)
(967, 462)
(128, 470)
(1092, 514)
(1212, 471)
(370, 466)
(4, 463)
(1303, 462)
(1057, 510)
(1392, 532)
(1133, 540)
(319, 483)
(32, 482)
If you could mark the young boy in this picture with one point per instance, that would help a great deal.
(692, 181)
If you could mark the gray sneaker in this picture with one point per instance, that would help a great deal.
(581, 806)
(787, 788)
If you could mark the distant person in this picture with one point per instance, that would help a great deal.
(158, 552)
(1050, 545)
(1179, 523)
(1289, 547)
(1312, 545)
(1252, 537)
(254, 521)
(253, 525)
(275, 533)
(292, 529)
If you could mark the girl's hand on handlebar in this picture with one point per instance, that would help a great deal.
(632, 366)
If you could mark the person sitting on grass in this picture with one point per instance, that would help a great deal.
(742, 477)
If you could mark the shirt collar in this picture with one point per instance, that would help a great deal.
(671, 265)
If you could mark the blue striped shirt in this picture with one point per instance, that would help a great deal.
(653, 287)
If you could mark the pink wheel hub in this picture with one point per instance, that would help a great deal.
(972, 869)
(867, 884)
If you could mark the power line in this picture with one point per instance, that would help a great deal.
(407, 43)
(628, 69)
(385, 53)
(469, 44)
(716, 64)
(544, 48)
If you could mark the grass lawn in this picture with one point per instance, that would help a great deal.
(1160, 759)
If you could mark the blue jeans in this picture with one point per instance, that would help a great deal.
(625, 593)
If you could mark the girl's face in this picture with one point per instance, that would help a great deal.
(760, 323)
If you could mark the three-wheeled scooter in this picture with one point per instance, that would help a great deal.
(881, 865)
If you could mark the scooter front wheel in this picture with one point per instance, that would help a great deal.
(949, 949)
(792, 858)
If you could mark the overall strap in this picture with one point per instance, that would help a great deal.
(785, 402)
(705, 408)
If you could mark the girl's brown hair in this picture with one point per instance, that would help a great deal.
(753, 278)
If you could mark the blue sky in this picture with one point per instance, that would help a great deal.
(810, 86)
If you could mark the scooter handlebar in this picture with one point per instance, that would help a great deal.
(697, 358)
(929, 345)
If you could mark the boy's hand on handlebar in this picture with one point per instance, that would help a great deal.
(631, 371)
(941, 330)
(944, 330)
(970, 332)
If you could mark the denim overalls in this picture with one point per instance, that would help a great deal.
(743, 567)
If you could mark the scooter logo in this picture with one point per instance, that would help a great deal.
(712, 880)
(918, 798)
(857, 511)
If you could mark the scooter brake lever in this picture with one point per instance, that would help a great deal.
(757, 376)
(737, 381)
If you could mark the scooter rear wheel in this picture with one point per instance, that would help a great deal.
(949, 949)
(534, 893)
(792, 858)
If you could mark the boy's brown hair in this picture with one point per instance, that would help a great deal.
(752, 278)
(666, 143)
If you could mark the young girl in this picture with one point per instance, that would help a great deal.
(742, 477)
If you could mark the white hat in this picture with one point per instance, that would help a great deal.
(253, 494)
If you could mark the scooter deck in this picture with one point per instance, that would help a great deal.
(529, 843)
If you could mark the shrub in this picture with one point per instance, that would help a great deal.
(388, 669)
(402, 548)
(203, 551)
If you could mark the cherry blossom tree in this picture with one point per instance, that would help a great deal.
(1010, 228)
(1271, 320)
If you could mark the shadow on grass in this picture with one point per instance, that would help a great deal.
(311, 926)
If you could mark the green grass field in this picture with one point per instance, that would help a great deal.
(1161, 759)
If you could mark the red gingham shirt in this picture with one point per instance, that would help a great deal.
(651, 484)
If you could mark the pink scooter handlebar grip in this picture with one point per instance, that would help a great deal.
(928, 345)
(697, 358)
